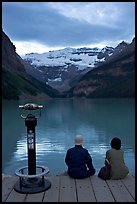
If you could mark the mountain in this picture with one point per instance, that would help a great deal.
(88, 72)
(114, 78)
(16, 83)
(61, 69)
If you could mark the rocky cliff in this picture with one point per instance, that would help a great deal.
(114, 78)
(62, 68)
(16, 82)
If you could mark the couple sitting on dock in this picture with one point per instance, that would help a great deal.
(80, 164)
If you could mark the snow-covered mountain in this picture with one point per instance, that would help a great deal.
(81, 57)
(62, 68)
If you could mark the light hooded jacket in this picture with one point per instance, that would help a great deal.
(116, 159)
(77, 160)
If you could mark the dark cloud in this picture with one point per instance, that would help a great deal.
(38, 21)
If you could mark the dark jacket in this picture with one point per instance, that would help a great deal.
(77, 160)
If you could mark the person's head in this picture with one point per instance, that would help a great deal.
(116, 143)
(78, 140)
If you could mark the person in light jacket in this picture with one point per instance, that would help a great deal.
(115, 157)
(79, 161)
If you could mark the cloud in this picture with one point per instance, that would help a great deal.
(94, 13)
(24, 47)
(68, 23)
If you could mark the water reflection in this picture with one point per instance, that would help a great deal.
(98, 120)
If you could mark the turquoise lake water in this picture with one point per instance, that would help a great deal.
(98, 120)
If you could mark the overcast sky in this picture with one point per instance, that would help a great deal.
(43, 26)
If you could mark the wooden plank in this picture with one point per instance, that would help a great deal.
(3, 176)
(84, 190)
(52, 194)
(16, 197)
(119, 191)
(67, 189)
(101, 190)
(38, 197)
(7, 186)
(129, 182)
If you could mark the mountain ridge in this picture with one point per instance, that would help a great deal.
(16, 82)
(58, 68)
(114, 78)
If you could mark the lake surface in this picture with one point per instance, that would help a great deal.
(98, 120)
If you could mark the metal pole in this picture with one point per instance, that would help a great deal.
(31, 123)
(31, 182)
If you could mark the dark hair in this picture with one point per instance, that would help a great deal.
(116, 143)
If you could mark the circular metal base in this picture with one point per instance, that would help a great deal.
(32, 185)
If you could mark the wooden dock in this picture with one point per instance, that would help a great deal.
(66, 189)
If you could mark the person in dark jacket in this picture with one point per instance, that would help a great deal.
(79, 161)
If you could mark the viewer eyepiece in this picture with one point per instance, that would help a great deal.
(31, 106)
